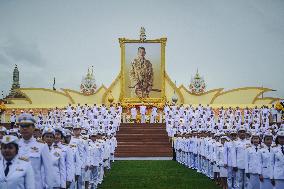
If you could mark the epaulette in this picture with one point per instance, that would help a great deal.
(24, 159)
(273, 145)
(40, 141)
(248, 145)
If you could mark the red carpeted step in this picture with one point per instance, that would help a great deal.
(143, 154)
(143, 140)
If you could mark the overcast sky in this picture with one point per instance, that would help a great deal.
(233, 43)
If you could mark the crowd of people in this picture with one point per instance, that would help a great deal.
(73, 147)
(67, 148)
(238, 149)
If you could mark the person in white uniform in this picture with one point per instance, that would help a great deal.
(133, 114)
(253, 162)
(266, 162)
(57, 159)
(143, 113)
(15, 173)
(278, 156)
(36, 152)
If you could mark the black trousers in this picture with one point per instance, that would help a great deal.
(12, 125)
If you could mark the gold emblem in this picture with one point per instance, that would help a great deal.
(8, 139)
(24, 158)
(56, 154)
(35, 149)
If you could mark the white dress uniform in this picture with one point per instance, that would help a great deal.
(266, 167)
(133, 113)
(20, 176)
(221, 161)
(17, 173)
(143, 113)
(69, 161)
(154, 113)
(59, 166)
(95, 160)
(39, 156)
(81, 147)
(252, 163)
(229, 158)
(239, 162)
(278, 168)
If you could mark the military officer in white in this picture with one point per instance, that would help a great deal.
(15, 173)
(278, 156)
(229, 158)
(239, 163)
(143, 113)
(81, 146)
(133, 113)
(266, 161)
(68, 155)
(95, 158)
(36, 152)
(253, 162)
(13, 119)
(57, 158)
(154, 114)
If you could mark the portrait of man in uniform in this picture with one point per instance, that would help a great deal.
(141, 74)
(143, 70)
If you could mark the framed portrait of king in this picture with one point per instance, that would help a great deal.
(142, 70)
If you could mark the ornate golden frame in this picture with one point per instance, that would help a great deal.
(122, 98)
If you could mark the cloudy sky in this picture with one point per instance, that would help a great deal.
(233, 43)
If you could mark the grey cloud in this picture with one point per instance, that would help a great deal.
(15, 51)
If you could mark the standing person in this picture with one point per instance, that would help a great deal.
(67, 154)
(13, 119)
(15, 173)
(36, 152)
(143, 113)
(241, 145)
(133, 114)
(266, 162)
(253, 162)
(95, 159)
(229, 158)
(221, 163)
(154, 114)
(81, 148)
(57, 159)
(273, 113)
(278, 157)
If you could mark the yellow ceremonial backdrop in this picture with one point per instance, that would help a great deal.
(138, 83)
(142, 71)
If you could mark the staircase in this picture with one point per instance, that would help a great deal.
(143, 140)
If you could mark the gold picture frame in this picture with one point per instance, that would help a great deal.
(125, 100)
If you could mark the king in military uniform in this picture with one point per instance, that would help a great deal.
(141, 75)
